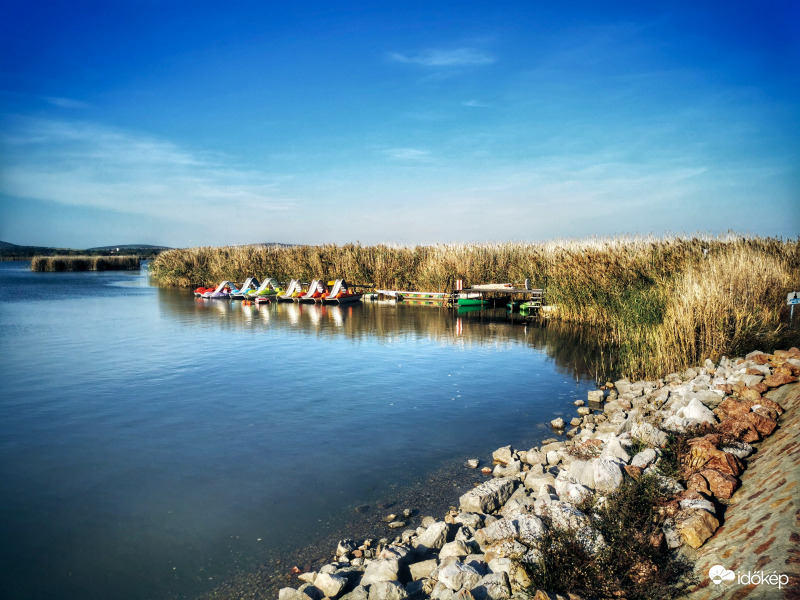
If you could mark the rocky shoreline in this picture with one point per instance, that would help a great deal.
(489, 546)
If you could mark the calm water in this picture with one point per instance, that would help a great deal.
(152, 444)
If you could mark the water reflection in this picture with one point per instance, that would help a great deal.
(577, 351)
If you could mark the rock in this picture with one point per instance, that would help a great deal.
(457, 548)
(499, 530)
(358, 593)
(649, 434)
(695, 526)
(507, 548)
(696, 411)
(632, 471)
(442, 592)
(458, 576)
(311, 591)
(584, 410)
(575, 422)
(614, 449)
(397, 524)
(387, 590)
(530, 529)
(488, 496)
(494, 586)
(532, 457)
(738, 449)
(721, 485)
(709, 398)
(516, 506)
(473, 463)
(503, 455)
(582, 472)
(595, 396)
(701, 503)
(509, 470)
(579, 402)
(331, 585)
(740, 429)
(423, 569)
(776, 380)
(433, 538)
(644, 458)
(607, 475)
(288, 593)
(469, 520)
(557, 423)
(381, 570)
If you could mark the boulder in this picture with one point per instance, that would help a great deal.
(507, 470)
(779, 379)
(488, 496)
(595, 396)
(499, 530)
(582, 472)
(649, 434)
(422, 569)
(381, 570)
(607, 475)
(494, 586)
(387, 590)
(695, 526)
(615, 449)
(503, 455)
(331, 585)
(507, 548)
(458, 576)
(557, 423)
(358, 593)
(644, 458)
(456, 548)
(722, 485)
(288, 593)
(433, 538)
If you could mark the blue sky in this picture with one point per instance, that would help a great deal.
(193, 123)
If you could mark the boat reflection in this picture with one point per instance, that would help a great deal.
(577, 351)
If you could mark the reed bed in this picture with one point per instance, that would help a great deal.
(85, 263)
(658, 303)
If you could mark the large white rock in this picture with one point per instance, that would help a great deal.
(644, 458)
(456, 548)
(493, 586)
(614, 449)
(696, 411)
(530, 529)
(381, 570)
(499, 530)
(607, 475)
(331, 585)
(582, 471)
(489, 496)
(433, 538)
(387, 590)
(503, 455)
(649, 434)
(458, 576)
(423, 569)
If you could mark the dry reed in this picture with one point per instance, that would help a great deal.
(662, 303)
(84, 263)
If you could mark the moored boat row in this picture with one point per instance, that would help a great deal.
(317, 292)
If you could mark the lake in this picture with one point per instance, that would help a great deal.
(153, 445)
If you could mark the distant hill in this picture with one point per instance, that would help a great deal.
(9, 251)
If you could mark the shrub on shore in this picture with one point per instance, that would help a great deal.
(661, 303)
(84, 263)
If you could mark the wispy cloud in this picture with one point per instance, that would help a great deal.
(91, 165)
(436, 57)
(66, 102)
(475, 104)
(409, 154)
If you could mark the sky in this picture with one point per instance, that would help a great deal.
(198, 123)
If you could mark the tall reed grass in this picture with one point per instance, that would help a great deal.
(85, 263)
(660, 303)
